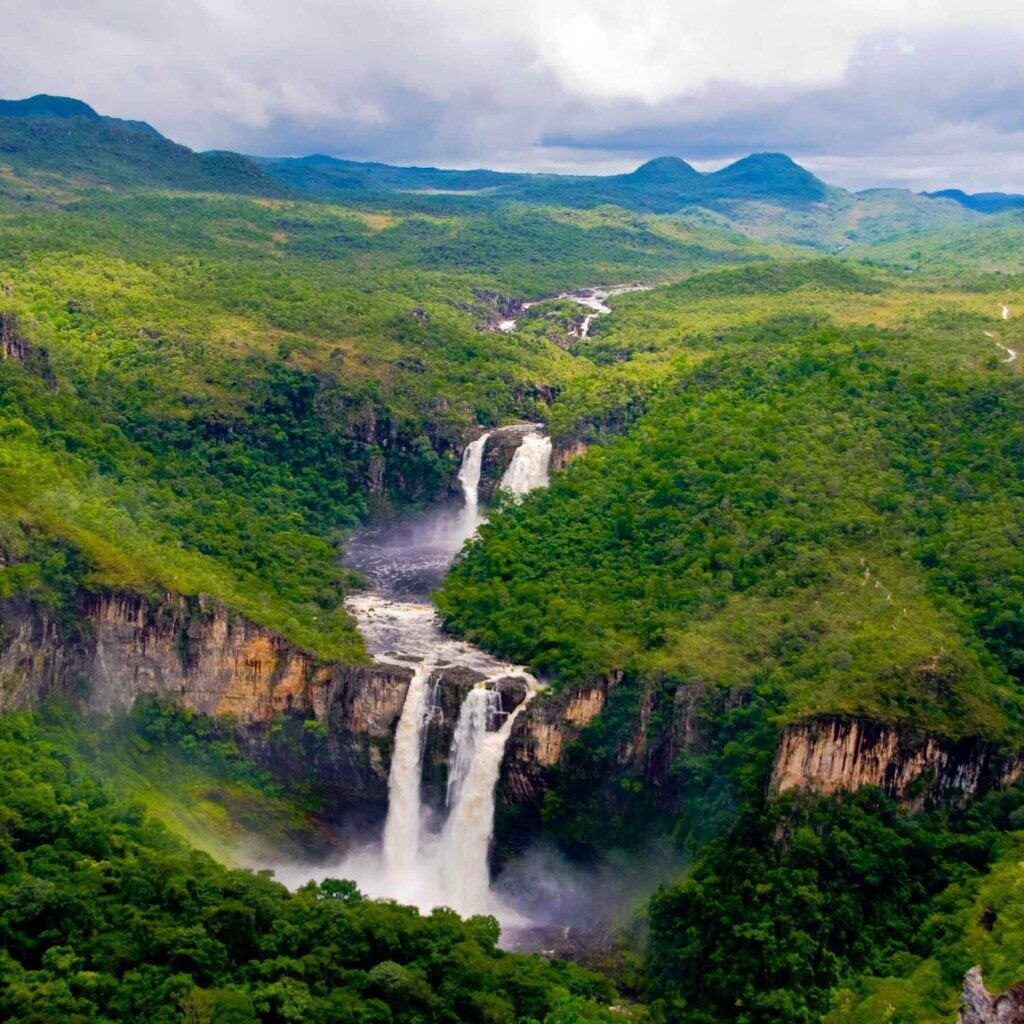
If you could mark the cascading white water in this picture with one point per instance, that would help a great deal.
(529, 466)
(402, 827)
(469, 473)
(479, 710)
(466, 839)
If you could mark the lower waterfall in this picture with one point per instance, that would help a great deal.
(479, 710)
(466, 839)
(402, 828)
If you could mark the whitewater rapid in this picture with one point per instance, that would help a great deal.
(594, 299)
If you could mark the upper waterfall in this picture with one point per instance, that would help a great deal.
(529, 466)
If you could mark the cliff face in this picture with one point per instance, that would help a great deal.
(334, 724)
(831, 754)
(308, 721)
(670, 733)
(12, 344)
(981, 1007)
(688, 722)
(215, 663)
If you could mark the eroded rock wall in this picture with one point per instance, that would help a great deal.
(122, 646)
(827, 755)
(979, 1006)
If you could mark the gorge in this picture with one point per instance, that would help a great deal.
(439, 855)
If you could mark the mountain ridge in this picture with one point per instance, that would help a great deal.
(46, 105)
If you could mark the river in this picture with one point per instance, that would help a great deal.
(416, 859)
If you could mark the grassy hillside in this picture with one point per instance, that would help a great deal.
(820, 516)
(218, 387)
(816, 510)
(823, 516)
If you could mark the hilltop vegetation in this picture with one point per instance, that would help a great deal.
(218, 387)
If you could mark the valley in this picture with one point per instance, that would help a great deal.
(517, 566)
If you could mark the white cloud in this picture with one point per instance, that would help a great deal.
(549, 83)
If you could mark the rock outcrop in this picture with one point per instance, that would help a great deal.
(12, 344)
(981, 1007)
(214, 662)
(687, 725)
(563, 452)
(830, 754)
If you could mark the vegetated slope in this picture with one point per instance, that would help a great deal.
(820, 519)
(44, 106)
(820, 512)
(211, 389)
(988, 245)
(338, 179)
(662, 185)
(847, 910)
(53, 141)
(106, 917)
(188, 772)
(823, 520)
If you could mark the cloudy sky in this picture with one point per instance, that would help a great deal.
(921, 93)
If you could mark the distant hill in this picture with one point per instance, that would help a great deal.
(58, 141)
(768, 176)
(44, 105)
(983, 202)
(55, 136)
(327, 175)
(663, 185)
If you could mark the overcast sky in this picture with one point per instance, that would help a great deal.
(917, 93)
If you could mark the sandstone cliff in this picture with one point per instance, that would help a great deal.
(981, 1007)
(826, 755)
(197, 652)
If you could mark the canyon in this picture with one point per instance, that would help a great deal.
(432, 738)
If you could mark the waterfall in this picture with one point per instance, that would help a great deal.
(466, 839)
(414, 862)
(402, 827)
(529, 466)
(469, 473)
(478, 711)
